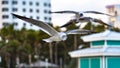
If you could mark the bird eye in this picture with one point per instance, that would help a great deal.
(81, 14)
(64, 37)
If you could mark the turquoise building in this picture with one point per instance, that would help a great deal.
(104, 51)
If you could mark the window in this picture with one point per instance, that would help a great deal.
(45, 4)
(93, 62)
(113, 62)
(14, 9)
(13, 17)
(4, 2)
(31, 24)
(31, 10)
(50, 18)
(84, 63)
(113, 42)
(24, 10)
(24, 24)
(37, 10)
(23, 2)
(37, 17)
(31, 17)
(49, 12)
(5, 16)
(15, 23)
(30, 3)
(98, 43)
(14, 2)
(4, 9)
(37, 3)
(5, 24)
(45, 11)
(49, 5)
(45, 18)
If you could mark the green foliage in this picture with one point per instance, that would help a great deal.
(25, 42)
(88, 26)
(70, 27)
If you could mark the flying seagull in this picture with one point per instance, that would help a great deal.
(55, 35)
(85, 19)
(80, 14)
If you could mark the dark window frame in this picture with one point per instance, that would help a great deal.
(45, 4)
(45, 18)
(30, 10)
(37, 17)
(15, 23)
(4, 2)
(37, 3)
(14, 2)
(24, 3)
(5, 16)
(37, 10)
(14, 9)
(30, 3)
(45, 11)
(24, 10)
(5, 9)
(5, 23)
(24, 24)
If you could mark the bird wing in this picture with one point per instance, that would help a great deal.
(44, 27)
(67, 11)
(96, 12)
(84, 19)
(75, 12)
(69, 23)
(81, 19)
(78, 31)
(100, 21)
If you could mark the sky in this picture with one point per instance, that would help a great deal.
(78, 5)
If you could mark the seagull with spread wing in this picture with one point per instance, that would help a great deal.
(80, 14)
(85, 19)
(55, 35)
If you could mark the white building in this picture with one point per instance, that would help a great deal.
(114, 10)
(36, 9)
(104, 51)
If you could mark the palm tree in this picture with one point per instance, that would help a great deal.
(17, 45)
(5, 35)
(5, 54)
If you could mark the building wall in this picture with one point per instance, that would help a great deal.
(36, 9)
(114, 10)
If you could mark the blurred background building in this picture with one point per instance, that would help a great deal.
(114, 10)
(36, 9)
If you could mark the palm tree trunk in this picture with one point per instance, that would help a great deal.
(56, 53)
(30, 61)
(51, 52)
(7, 62)
(18, 61)
(75, 41)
